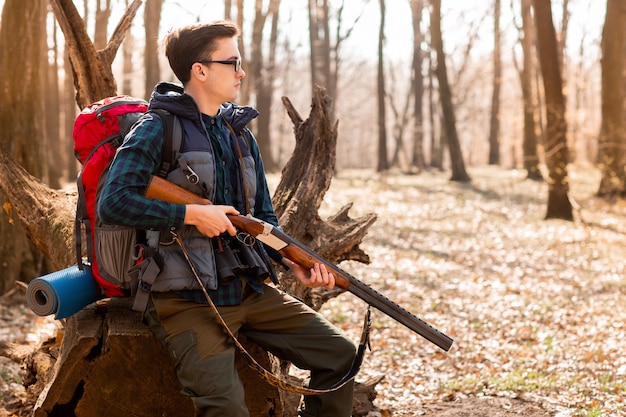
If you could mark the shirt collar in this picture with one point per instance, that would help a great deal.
(213, 120)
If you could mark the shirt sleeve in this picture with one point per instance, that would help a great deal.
(121, 201)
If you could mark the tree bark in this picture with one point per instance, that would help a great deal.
(417, 157)
(106, 340)
(383, 161)
(305, 179)
(103, 15)
(494, 121)
(436, 146)
(93, 76)
(128, 46)
(530, 141)
(261, 75)
(152, 18)
(445, 95)
(56, 159)
(559, 204)
(23, 70)
(612, 157)
(319, 32)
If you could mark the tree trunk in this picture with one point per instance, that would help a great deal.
(559, 204)
(106, 340)
(319, 32)
(445, 95)
(436, 147)
(55, 157)
(128, 46)
(417, 159)
(383, 162)
(530, 141)
(152, 18)
(93, 76)
(46, 215)
(305, 179)
(494, 121)
(23, 69)
(612, 157)
(70, 111)
(262, 77)
(103, 14)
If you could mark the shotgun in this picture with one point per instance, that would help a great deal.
(161, 189)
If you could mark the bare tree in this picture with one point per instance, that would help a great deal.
(383, 162)
(103, 14)
(612, 156)
(319, 30)
(228, 6)
(92, 68)
(23, 67)
(494, 121)
(401, 118)
(55, 154)
(445, 97)
(436, 146)
(326, 41)
(417, 157)
(562, 36)
(128, 46)
(152, 19)
(529, 97)
(559, 204)
(261, 75)
(70, 109)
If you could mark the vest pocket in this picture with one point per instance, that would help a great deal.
(176, 273)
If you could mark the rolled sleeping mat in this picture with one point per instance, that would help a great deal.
(63, 292)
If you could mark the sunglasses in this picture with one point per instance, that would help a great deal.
(236, 63)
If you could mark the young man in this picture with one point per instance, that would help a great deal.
(217, 162)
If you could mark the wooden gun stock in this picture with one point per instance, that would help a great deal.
(164, 190)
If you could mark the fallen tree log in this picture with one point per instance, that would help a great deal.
(110, 364)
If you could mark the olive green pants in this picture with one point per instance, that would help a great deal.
(204, 356)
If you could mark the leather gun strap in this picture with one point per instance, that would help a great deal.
(266, 375)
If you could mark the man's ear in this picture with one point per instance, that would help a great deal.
(197, 70)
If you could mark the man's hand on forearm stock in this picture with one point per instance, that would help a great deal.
(210, 220)
(318, 276)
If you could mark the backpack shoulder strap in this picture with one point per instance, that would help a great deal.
(172, 144)
(172, 141)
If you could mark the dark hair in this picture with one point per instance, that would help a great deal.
(189, 44)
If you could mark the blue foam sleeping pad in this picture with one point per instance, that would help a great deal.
(62, 293)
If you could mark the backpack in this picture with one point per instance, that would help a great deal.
(98, 131)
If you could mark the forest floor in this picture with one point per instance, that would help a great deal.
(536, 307)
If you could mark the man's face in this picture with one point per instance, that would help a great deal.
(224, 79)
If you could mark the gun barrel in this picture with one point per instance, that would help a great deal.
(393, 310)
(306, 257)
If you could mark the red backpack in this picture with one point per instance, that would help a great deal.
(98, 131)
